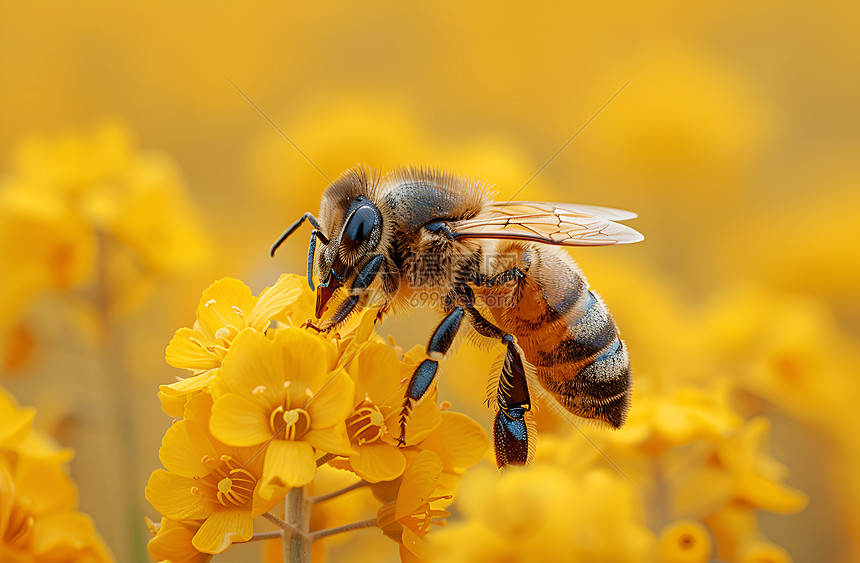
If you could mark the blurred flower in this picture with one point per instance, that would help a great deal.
(685, 541)
(546, 514)
(283, 392)
(757, 477)
(38, 520)
(678, 415)
(207, 481)
(83, 211)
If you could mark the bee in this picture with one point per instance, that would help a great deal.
(497, 265)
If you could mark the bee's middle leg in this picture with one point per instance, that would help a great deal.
(424, 375)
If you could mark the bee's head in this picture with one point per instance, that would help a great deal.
(356, 229)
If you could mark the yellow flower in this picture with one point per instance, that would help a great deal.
(374, 424)
(285, 393)
(676, 415)
(545, 513)
(137, 197)
(78, 198)
(757, 477)
(685, 541)
(16, 421)
(43, 246)
(207, 481)
(408, 518)
(38, 520)
(172, 542)
(763, 552)
(226, 307)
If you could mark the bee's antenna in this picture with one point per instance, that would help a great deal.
(295, 226)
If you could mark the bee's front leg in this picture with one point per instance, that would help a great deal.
(425, 373)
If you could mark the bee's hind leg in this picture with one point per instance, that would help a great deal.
(510, 428)
(425, 373)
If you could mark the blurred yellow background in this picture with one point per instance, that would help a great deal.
(736, 141)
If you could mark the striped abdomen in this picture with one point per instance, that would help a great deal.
(567, 333)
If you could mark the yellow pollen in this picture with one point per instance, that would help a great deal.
(224, 485)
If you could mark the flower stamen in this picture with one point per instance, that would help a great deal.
(291, 424)
(366, 425)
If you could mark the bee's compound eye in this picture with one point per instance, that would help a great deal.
(360, 225)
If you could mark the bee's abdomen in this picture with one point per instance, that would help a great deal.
(588, 370)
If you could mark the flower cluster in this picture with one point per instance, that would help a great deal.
(266, 406)
(684, 481)
(89, 214)
(38, 519)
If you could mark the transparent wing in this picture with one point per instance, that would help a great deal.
(550, 223)
(606, 212)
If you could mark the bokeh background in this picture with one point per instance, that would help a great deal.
(136, 167)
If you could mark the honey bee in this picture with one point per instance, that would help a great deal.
(420, 232)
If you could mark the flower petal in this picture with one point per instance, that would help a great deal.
(171, 495)
(187, 350)
(252, 368)
(378, 462)
(224, 303)
(333, 403)
(305, 359)
(273, 300)
(288, 464)
(377, 374)
(173, 543)
(223, 528)
(458, 440)
(183, 448)
(419, 480)
(16, 421)
(239, 421)
(332, 440)
(174, 395)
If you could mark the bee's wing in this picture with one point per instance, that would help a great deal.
(606, 212)
(551, 223)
